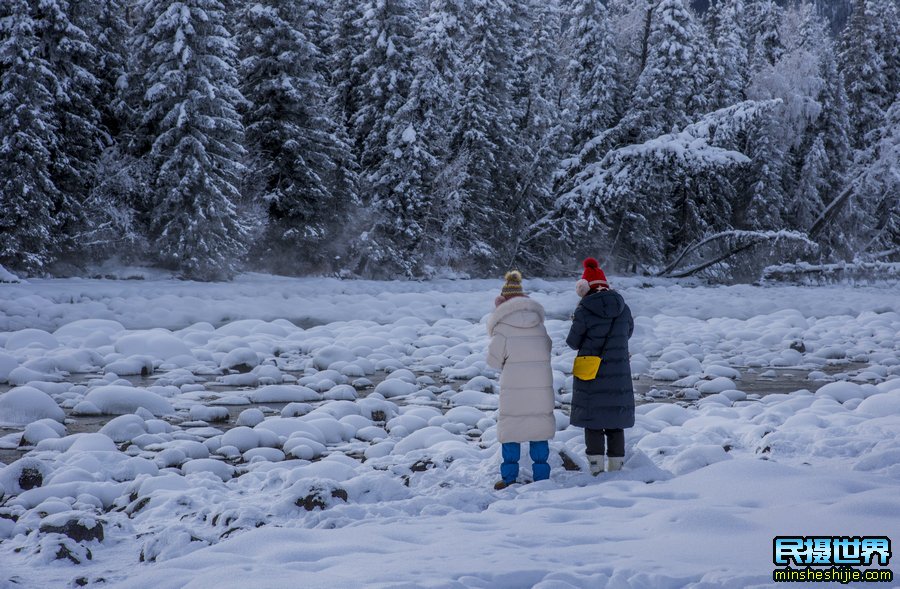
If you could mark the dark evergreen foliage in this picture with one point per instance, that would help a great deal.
(299, 156)
(414, 138)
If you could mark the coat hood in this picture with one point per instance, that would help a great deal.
(606, 303)
(518, 312)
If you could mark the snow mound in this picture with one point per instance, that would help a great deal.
(329, 355)
(843, 391)
(26, 404)
(242, 437)
(716, 385)
(426, 438)
(242, 359)
(131, 366)
(44, 429)
(395, 387)
(124, 428)
(881, 404)
(158, 343)
(284, 394)
(31, 338)
(119, 400)
(86, 330)
(212, 466)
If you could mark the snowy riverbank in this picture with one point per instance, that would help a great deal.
(349, 485)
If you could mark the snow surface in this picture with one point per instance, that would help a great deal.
(327, 433)
(7, 276)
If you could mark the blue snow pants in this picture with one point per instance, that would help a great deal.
(539, 452)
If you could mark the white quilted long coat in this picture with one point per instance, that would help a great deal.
(520, 347)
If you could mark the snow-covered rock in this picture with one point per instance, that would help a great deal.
(240, 359)
(31, 338)
(395, 387)
(220, 469)
(328, 355)
(26, 404)
(124, 428)
(118, 400)
(158, 343)
(284, 394)
(425, 438)
(716, 385)
(843, 391)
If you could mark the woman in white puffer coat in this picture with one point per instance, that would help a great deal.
(520, 349)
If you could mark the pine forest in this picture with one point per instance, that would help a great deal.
(388, 139)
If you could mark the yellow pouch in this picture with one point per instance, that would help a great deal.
(586, 367)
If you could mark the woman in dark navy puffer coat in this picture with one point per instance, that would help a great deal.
(604, 406)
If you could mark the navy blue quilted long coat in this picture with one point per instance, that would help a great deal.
(607, 402)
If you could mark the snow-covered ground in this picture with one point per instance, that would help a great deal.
(327, 433)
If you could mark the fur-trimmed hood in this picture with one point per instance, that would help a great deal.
(604, 303)
(518, 312)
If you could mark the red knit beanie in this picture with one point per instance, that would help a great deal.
(592, 278)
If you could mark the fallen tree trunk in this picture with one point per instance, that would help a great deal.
(728, 244)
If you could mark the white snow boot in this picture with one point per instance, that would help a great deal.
(596, 463)
(615, 463)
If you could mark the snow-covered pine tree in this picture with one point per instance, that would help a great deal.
(343, 46)
(731, 44)
(886, 36)
(595, 77)
(835, 13)
(385, 66)
(484, 121)
(667, 85)
(834, 124)
(314, 18)
(72, 57)
(541, 128)
(29, 197)
(777, 145)
(823, 174)
(800, 40)
(764, 201)
(877, 192)
(706, 71)
(300, 160)
(766, 46)
(608, 47)
(112, 227)
(712, 18)
(630, 25)
(189, 85)
(104, 22)
(807, 204)
(630, 22)
(863, 68)
(418, 184)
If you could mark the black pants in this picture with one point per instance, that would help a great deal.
(597, 440)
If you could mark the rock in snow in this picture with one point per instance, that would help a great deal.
(118, 400)
(26, 404)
